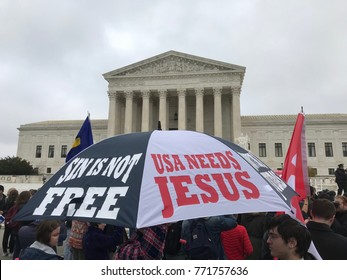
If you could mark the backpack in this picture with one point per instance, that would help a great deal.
(201, 246)
(172, 241)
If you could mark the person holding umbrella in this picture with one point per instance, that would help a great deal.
(97, 244)
(145, 179)
(144, 244)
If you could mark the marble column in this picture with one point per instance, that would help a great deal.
(235, 114)
(145, 110)
(199, 110)
(163, 109)
(182, 109)
(128, 111)
(111, 126)
(217, 94)
(114, 118)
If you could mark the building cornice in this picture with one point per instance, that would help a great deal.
(310, 119)
(249, 120)
(62, 125)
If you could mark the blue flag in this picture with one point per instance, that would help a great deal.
(83, 140)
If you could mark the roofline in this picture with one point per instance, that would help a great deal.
(169, 53)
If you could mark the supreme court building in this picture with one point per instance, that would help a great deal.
(187, 92)
(181, 91)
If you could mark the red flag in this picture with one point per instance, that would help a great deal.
(295, 171)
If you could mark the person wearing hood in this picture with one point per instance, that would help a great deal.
(47, 236)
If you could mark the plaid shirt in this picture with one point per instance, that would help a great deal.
(145, 244)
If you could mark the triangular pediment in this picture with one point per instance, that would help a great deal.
(173, 62)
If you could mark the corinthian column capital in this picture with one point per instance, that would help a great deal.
(217, 91)
(236, 90)
(128, 94)
(199, 91)
(162, 93)
(181, 92)
(145, 93)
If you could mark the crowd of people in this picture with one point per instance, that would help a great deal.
(245, 236)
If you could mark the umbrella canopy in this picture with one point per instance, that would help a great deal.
(150, 178)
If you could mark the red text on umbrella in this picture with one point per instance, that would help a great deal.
(210, 187)
(170, 163)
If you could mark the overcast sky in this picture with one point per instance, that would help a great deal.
(53, 53)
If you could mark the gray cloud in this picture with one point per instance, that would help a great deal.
(53, 53)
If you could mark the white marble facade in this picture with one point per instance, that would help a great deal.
(179, 90)
(187, 92)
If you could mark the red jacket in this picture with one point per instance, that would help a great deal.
(236, 243)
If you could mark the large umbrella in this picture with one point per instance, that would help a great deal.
(150, 178)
